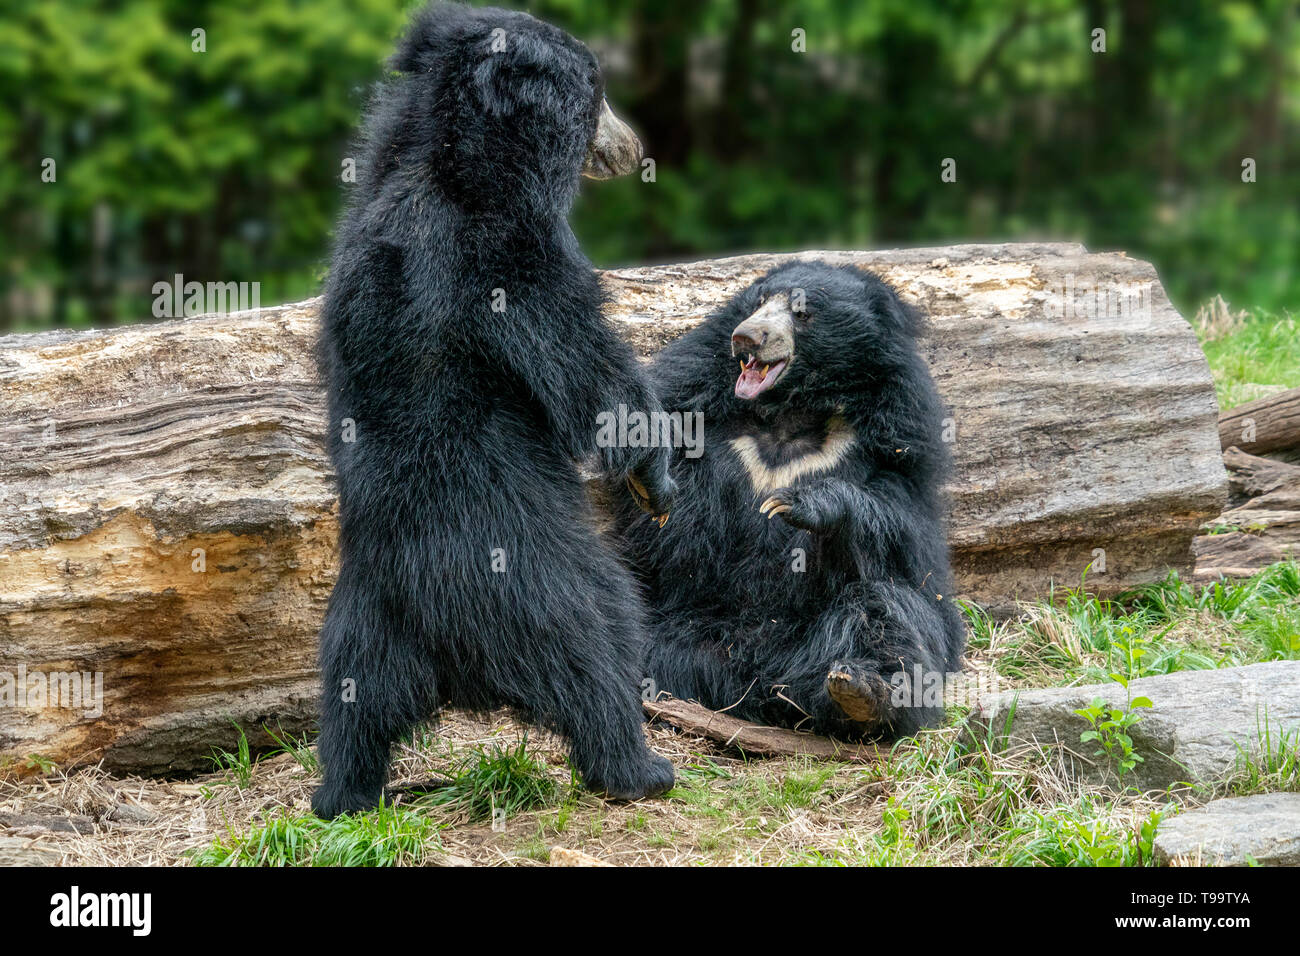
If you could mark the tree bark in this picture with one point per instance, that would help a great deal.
(1270, 424)
(1262, 523)
(167, 516)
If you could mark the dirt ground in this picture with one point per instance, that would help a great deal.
(147, 822)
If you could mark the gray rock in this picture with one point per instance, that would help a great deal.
(1265, 828)
(1196, 732)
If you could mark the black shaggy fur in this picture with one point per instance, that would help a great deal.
(736, 626)
(471, 573)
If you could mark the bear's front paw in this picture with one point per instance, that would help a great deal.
(795, 509)
(653, 490)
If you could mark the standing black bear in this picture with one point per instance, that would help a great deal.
(467, 361)
(838, 614)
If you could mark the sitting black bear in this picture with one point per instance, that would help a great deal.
(804, 578)
(468, 363)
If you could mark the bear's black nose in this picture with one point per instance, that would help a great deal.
(746, 342)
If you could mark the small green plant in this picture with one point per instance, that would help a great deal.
(502, 780)
(1110, 728)
(1220, 528)
(40, 763)
(1144, 838)
(1131, 647)
(895, 818)
(238, 765)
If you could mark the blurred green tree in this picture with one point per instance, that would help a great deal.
(773, 125)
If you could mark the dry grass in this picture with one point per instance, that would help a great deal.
(1216, 319)
(938, 799)
(919, 807)
(172, 818)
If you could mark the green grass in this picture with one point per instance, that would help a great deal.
(960, 794)
(237, 766)
(297, 747)
(1274, 767)
(504, 779)
(391, 836)
(947, 797)
(951, 796)
(1247, 353)
(1076, 637)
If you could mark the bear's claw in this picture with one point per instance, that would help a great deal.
(642, 498)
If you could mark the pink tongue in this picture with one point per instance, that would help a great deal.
(750, 382)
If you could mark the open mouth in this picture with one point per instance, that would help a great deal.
(757, 377)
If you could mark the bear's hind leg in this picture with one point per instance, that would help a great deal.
(594, 702)
(862, 666)
(375, 688)
(690, 662)
(583, 678)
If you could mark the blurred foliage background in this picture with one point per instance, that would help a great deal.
(224, 165)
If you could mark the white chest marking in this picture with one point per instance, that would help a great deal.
(766, 479)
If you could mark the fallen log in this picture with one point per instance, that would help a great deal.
(1264, 482)
(755, 738)
(1269, 424)
(1262, 524)
(167, 520)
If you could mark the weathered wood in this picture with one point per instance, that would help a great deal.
(1266, 482)
(1240, 554)
(1265, 513)
(167, 517)
(755, 738)
(73, 823)
(1265, 425)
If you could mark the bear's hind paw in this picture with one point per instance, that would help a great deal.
(856, 691)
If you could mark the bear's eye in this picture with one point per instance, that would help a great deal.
(802, 316)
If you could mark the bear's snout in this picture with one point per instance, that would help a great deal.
(615, 150)
(768, 334)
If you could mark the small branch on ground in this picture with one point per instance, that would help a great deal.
(755, 738)
(417, 788)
